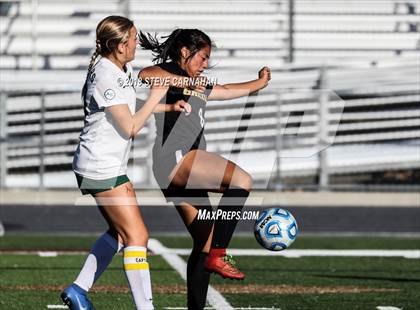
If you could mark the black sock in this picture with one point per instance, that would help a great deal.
(201, 229)
(197, 277)
(197, 281)
(233, 199)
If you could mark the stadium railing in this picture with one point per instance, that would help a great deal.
(373, 116)
(380, 100)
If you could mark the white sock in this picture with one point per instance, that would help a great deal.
(99, 258)
(137, 271)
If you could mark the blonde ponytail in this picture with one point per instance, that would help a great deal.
(110, 32)
(94, 56)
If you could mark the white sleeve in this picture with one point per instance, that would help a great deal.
(107, 92)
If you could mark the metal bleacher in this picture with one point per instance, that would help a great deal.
(369, 54)
(65, 31)
(368, 31)
(242, 30)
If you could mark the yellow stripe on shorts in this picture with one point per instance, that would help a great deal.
(135, 254)
(139, 266)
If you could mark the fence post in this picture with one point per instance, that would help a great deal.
(3, 139)
(34, 34)
(277, 181)
(323, 111)
(291, 30)
(42, 143)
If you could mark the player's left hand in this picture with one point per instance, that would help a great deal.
(182, 106)
(265, 75)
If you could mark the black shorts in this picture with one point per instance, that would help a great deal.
(164, 161)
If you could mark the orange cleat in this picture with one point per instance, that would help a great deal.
(223, 265)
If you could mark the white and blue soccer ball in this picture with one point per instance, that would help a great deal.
(275, 229)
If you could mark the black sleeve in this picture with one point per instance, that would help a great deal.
(170, 67)
(209, 88)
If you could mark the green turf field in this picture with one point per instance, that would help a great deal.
(28, 281)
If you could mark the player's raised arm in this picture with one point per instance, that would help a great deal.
(130, 124)
(179, 106)
(154, 75)
(236, 90)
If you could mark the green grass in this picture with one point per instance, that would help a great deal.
(309, 242)
(325, 301)
(18, 300)
(42, 242)
(68, 242)
(369, 272)
(32, 269)
(18, 270)
(389, 273)
(46, 242)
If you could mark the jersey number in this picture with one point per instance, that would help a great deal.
(200, 114)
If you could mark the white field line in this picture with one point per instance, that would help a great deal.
(315, 252)
(43, 253)
(214, 298)
(179, 308)
(211, 308)
(414, 254)
(47, 253)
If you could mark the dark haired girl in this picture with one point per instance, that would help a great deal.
(185, 171)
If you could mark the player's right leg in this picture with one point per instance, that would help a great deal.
(119, 207)
(102, 252)
(200, 230)
(100, 256)
(201, 169)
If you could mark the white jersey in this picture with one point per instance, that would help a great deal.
(102, 151)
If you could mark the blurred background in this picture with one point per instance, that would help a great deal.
(342, 112)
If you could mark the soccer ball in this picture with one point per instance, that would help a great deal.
(275, 229)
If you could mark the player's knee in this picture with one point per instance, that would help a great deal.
(134, 236)
(137, 239)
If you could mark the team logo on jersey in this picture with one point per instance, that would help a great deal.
(109, 94)
(194, 93)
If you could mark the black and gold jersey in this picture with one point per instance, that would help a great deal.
(181, 129)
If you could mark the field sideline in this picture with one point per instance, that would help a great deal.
(28, 280)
